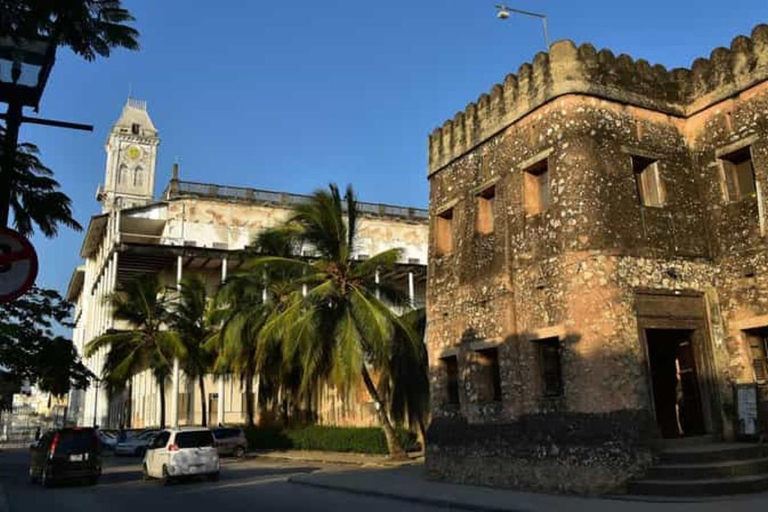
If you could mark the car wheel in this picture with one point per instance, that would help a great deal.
(45, 478)
(239, 452)
(166, 476)
(214, 477)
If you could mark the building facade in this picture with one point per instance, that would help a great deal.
(598, 254)
(202, 229)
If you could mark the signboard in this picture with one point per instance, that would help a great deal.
(18, 265)
(746, 409)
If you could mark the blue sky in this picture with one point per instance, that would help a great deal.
(293, 95)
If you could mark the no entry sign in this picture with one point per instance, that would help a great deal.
(18, 265)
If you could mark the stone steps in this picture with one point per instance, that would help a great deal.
(705, 469)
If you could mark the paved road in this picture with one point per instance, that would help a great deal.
(250, 485)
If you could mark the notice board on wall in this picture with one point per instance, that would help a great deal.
(746, 409)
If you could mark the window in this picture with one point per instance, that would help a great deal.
(122, 175)
(135, 129)
(451, 367)
(194, 439)
(485, 202)
(490, 377)
(549, 364)
(536, 179)
(757, 340)
(649, 184)
(444, 230)
(138, 177)
(738, 175)
(161, 440)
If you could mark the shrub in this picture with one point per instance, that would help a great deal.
(330, 439)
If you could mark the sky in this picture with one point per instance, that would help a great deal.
(291, 96)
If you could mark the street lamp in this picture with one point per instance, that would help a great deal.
(504, 12)
(25, 64)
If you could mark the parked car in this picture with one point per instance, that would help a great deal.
(136, 445)
(182, 452)
(66, 454)
(107, 440)
(230, 441)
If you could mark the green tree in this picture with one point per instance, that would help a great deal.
(149, 345)
(31, 350)
(35, 196)
(341, 331)
(193, 320)
(90, 28)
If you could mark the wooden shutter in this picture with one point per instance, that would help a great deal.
(758, 355)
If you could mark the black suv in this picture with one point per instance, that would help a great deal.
(66, 454)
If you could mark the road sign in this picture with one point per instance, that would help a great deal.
(18, 265)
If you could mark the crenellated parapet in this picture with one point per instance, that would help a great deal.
(568, 69)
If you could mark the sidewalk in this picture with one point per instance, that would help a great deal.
(356, 459)
(407, 483)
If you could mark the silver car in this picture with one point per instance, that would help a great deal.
(230, 441)
(136, 445)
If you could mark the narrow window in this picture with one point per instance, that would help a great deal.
(138, 177)
(445, 232)
(549, 363)
(135, 129)
(485, 202)
(757, 349)
(650, 187)
(537, 188)
(739, 175)
(490, 378)
(122, 175)
(451, 367)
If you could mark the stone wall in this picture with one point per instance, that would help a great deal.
(576, 272)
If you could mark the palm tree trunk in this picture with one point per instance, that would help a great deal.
(201, 383)
(396, 450)
(249, 397)
(162, 403)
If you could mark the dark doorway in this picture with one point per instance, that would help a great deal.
(674, 378)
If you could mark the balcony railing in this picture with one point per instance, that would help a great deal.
(189, 188)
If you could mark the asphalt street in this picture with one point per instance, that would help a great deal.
(248, 485)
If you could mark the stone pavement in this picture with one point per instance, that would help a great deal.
(407, 483)
(357, 459)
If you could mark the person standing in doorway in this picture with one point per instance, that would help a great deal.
(679, 399)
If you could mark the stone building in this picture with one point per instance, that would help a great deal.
(598, 257)
(202, 229)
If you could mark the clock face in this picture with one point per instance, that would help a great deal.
(134, 152)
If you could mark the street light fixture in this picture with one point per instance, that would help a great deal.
(504, 12)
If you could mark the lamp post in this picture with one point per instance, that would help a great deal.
(505, 12)
(97, 384)
(25, 64)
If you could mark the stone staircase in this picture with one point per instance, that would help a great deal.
(701, 467)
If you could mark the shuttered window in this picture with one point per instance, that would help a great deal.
(757, 350)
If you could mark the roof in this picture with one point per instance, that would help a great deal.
(135, 112)
(76, 283)
(93, 234)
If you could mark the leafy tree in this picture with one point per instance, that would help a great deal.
(192, 319)
(31, 350)
(90, 28)
(149, 345)
(35, 198)
(340, 331)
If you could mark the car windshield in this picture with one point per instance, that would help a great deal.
(75, 441)
(197, 439)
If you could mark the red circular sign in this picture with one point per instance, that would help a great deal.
(18, 265)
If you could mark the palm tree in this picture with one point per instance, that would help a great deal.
(35, 198)
(90, 28)
(245, 302)
(192, 319)
(340, 331)
(149, 346)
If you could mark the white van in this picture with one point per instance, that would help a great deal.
(182, 452)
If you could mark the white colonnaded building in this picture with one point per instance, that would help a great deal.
(203, 229)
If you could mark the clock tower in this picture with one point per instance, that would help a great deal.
(131, 159)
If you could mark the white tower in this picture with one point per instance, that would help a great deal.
(131, 159)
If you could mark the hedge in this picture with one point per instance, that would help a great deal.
(328, 439)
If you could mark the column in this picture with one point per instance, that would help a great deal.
(222, 402)
(175, 395)
(411, 290)
(378, 281)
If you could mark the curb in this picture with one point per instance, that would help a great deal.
(436, 502)
(331, 460)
